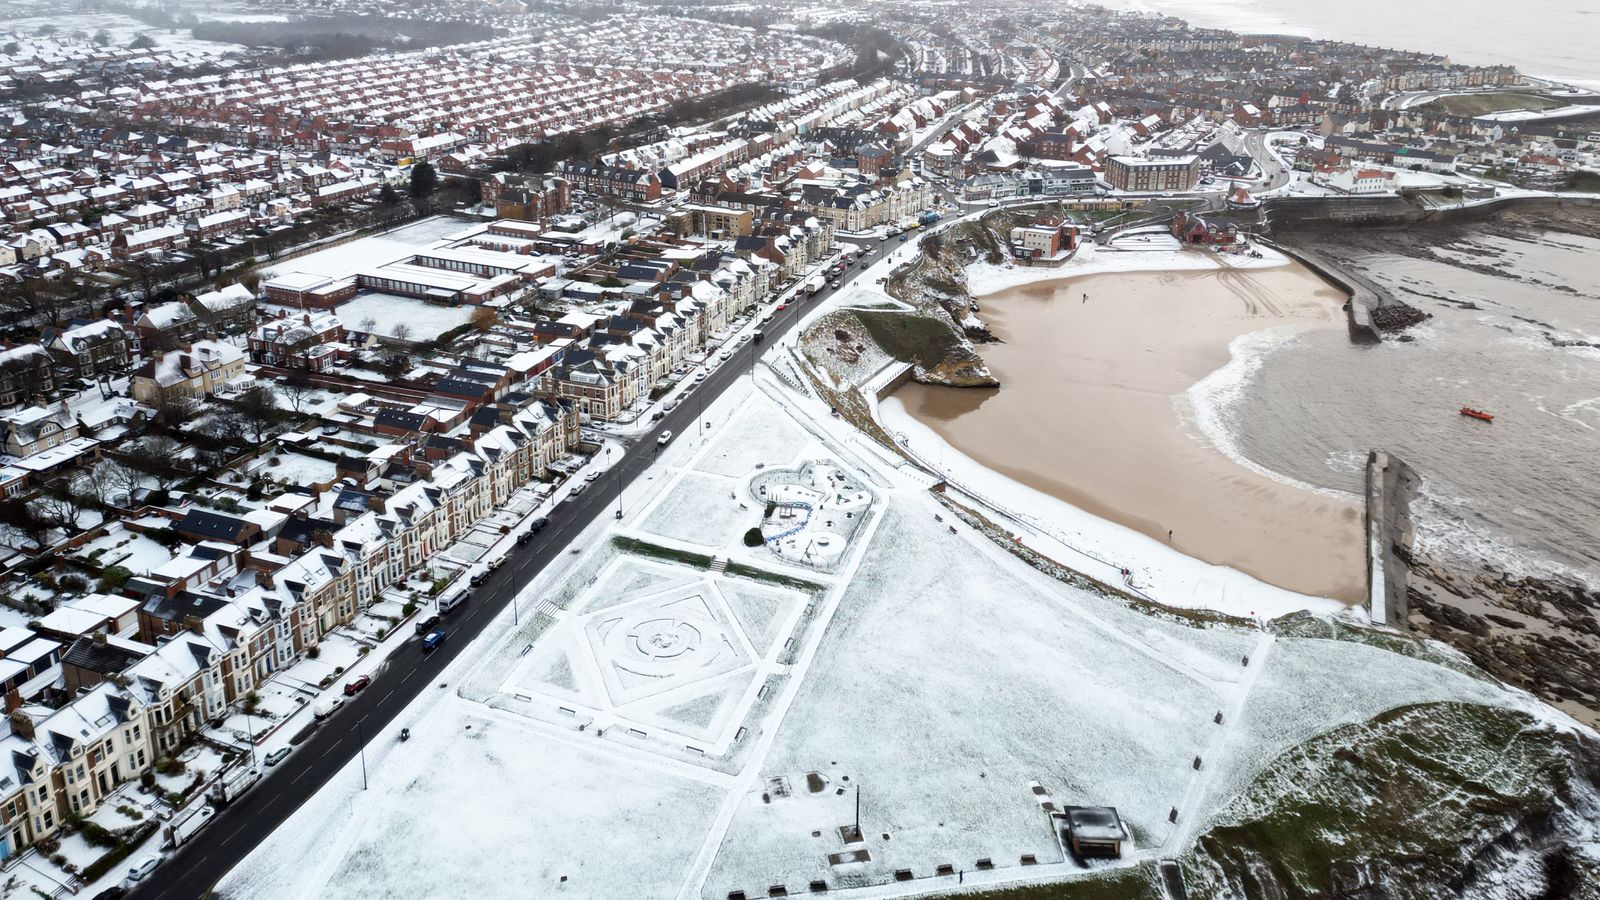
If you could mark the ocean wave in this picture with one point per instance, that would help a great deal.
(1210, 403)
(1443, 532)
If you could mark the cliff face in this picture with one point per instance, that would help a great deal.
(1432, 801)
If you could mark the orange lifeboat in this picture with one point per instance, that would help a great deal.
(1478, 414)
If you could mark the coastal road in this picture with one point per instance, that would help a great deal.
(1255, 143)
(194, 869)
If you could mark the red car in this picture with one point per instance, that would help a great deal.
(783, 306)
(354, 687)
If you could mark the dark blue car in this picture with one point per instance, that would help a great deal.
(432, 640)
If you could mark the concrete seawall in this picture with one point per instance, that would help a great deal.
(1391, 485)
(1285, 214)
(1364, 295)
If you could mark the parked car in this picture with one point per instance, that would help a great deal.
(355, 687)
(277, 756)
(480, 576)
(141, 870)
(538, 524)
(525, 537)
(433, 640)
(327, 707)
(664, 438)
(576, 490)
(592, 476)
(657, 416)
(427, 624)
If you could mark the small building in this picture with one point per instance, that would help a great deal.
(1193, 228)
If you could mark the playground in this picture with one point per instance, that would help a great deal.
(812, 512)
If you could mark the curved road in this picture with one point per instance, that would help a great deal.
(195, 868)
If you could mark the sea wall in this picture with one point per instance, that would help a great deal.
(1365, 296)
(1391, 485)
(1285, 214)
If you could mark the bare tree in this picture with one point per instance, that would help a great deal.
(298, 390)
(257, 407)
(92, 486)
(401, 333)
(57, 506)
(483, 318)
(122, 478)
(156, 456)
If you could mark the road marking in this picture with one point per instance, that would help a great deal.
(331, 748)
(235, 832)
(300, 776)
(385, 696)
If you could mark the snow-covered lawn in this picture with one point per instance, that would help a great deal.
(298, 469)
(758, 435)
(480, 806)
(335, 655)
(425, 321)
(134, 552)
(701, 510)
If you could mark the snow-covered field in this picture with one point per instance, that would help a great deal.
(944, 684)
(425, 321)
(702, 510)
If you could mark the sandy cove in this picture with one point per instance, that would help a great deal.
(1094, 409)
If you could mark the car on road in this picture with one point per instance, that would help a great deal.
(525, 537)
(699, 376)
(657, 416)
(835, 285)
(592, 476)
(327, 707)
(783, 306)
(277, 756)
(482, 575)
(141, 870)
(577, 489)
(538, 524)
(904, 238)
(432, 641)
(664, 438)
(355, 687)
(427, 624)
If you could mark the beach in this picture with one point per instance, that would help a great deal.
(1094, 410)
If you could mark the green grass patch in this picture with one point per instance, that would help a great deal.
(1483, 104)
(657, 551)
(740, 570)
(1132, 883)
(908, 337)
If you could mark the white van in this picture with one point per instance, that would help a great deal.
(453, 598)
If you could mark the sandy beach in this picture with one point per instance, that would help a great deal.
(1093, 411)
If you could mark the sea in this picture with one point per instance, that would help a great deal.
(1521, 493)
(1554, 39)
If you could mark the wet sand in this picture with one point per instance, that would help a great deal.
(1092, 410)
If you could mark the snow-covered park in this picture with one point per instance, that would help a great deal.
(674, 714)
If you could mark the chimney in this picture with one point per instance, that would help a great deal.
(99, 638)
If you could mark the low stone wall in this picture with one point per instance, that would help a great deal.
(1391, 485)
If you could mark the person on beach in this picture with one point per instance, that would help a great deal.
(1085, 298)
(1169, 535)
